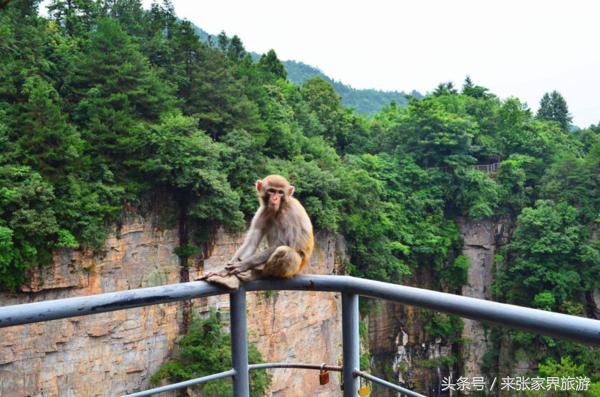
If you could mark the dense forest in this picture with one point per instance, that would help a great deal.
(106, 106)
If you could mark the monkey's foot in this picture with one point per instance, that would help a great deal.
(246, 276)
(207, 275)
(227, 281)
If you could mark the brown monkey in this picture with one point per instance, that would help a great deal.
(286, 225)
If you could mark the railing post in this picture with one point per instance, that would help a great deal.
(239, 343)
(351, 344)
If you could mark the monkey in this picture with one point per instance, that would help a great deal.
(287, 227)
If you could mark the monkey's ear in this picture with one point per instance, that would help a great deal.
(291, 190)
(259, 185)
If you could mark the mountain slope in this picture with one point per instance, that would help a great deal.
(364, 101)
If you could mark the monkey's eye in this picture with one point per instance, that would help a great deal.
(275, 191)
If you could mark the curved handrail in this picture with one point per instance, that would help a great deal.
(548, 323)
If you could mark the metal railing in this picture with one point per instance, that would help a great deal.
(488, 168)
(553, 324)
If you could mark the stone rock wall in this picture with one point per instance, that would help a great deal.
(102, 355)
(115, 353)
(595, 300)
(399, 349)
(479, 247)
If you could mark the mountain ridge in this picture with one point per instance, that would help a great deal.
(365, 101)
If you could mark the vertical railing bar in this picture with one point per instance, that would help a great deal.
(239, 343)
(351, 346)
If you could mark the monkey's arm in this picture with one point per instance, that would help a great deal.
(251, 241)
(250, 263)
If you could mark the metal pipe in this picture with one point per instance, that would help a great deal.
(231, 372)
(374, 379)
(543, 322)
(351, 345)
(292, 365)
(580, 329)
(181, 385)
(239, 343)
(101, 303)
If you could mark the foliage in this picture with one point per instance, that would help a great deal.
(566, 368)
(206, 350)
(28, 224)
(438, 137)
(271, 66)
(553, 107)
(551, 253)
(476, 193)
(454, 275)
(106, 105)
(443, 326)
(366, 102)
(176, 155)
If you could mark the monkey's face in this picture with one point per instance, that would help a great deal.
(274, 191)
(274, 197)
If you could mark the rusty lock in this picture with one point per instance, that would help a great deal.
(323, 375)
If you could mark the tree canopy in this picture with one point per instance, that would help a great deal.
(106, 105)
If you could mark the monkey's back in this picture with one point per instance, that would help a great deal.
(294, 229)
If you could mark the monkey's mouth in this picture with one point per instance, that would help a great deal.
(274, 207)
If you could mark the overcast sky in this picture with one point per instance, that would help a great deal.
(515, 48)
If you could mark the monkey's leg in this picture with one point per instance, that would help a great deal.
(251, 262)
(285, 262)
(210, 274)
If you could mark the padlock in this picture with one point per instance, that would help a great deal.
(323, 375)
(364, 391)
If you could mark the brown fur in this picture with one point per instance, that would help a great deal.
(288, 230)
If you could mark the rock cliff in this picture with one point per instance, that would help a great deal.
(115, 353)
(479, 247)
(400, 349)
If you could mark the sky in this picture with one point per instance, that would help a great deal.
(515, 48)
(518, 48)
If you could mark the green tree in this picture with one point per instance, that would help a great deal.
(28, 226)
(76, 17)
(205, 78)
(472, 90)
(445, 89)
(115, 91)
(44, 138)
(271, 65)
(552, 252)
(518, 178)
(176, 155)
(553, 107)
(339, 126)
(236, 51)
(437, 137)
(570, 179)
(205, 350)
(475, 193)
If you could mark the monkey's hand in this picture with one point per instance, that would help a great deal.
(235, 268)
